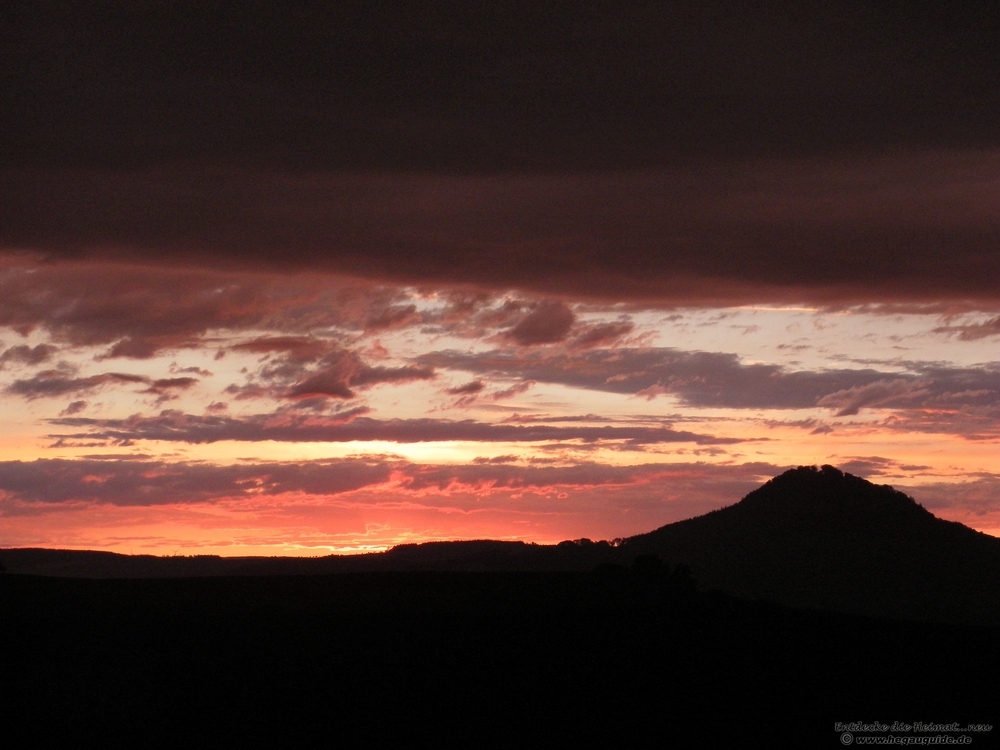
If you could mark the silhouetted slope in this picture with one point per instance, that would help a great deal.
(822, 538)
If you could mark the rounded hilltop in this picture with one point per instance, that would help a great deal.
(828, 491)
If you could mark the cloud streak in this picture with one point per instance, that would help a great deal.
(171, 425)
(54, 383)
(973, 331)
(720, 380)
(142, 483)
(705, 379)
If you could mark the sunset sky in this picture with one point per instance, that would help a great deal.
(298, 279)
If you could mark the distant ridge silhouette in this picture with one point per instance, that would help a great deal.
(811, 537)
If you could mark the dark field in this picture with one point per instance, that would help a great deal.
(619, 656)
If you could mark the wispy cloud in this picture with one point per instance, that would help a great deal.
(173, 425)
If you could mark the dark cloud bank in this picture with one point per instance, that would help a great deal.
(837, 230)
(839, 152)
(532, 86)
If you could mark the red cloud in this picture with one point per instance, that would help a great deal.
(547, 323)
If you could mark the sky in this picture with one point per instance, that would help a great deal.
(312, 278)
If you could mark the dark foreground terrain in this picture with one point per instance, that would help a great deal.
(622, 657)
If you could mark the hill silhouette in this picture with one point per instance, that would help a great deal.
(811, 537)
(818, 537)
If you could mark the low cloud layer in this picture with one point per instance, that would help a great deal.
(172, 425)
(122, 481)
(125, 482)
(652, 493)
